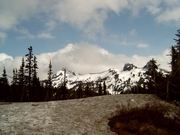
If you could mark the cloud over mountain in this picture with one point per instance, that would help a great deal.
(82, 58)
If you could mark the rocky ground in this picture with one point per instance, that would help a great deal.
(87, 116)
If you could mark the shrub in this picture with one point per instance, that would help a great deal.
(150, 119)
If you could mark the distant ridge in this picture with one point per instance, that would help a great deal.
(116, 80)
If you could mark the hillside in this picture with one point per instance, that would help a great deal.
(87, 116)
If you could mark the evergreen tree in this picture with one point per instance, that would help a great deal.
(152, 74)
(15, 78)
(4, 93)
(14, 86)
(116, 78)
(63, 87)
(79, 90)
(87, 90)
(49, 83)
(173, 85)
(22, 81)
(100, 89)
(21, 74)
(29, 66)
(177, 46)
(29, 71)
(34, 71)
(4, 75)
(104, 88)
(35, 90)
(173, 58)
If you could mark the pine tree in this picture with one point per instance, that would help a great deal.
(64, 88)
(173, 58)
(34, 70)
(173, 85)
(35, 90)
(15, 78)
(79, 90)
(14, 86)
(49, 83)
(100, 89)
(177, 46)
(87, 90)
(29, 66)
(4, 75)
(21, 74)
(29, 71)
(22, 81)
(104, 88)
(152, 74)
(4, 93)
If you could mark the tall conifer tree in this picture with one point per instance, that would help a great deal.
(49, 83)
(21, 74)
(22, 80)
(4, 75)
(173, 85)
(35, 88)
(63, 87)
(29, 71)
(104, 88)
(29, 66)
(14, 80)
(4, 86)
(34, 70)
(14, 86)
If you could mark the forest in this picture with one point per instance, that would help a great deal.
(27, 87)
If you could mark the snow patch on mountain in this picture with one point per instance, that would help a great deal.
(116, 80)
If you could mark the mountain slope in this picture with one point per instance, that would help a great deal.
(115, 79)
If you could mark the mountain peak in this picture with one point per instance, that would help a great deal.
(115, 79)
(128, 67)
(149, 65)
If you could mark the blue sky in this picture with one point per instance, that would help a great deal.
(111, 31)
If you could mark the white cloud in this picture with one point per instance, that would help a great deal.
(25, 33)
(4, 57)
(170, 15)
(45, 35)
(142, 45)
(83, 58)
(3, 36)
(50, 25)
(87, 16)
(154, 9)
(133, 32)
(9, 63)
(12, 13)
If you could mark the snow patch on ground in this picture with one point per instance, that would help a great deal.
(86, 116)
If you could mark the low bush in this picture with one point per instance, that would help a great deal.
(150, 119)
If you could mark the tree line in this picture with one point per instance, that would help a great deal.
(166, 86)
(27, 87)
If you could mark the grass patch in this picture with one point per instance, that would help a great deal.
(150, 119)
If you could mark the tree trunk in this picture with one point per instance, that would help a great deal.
(167, 91)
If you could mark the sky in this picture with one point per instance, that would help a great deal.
(87, 36)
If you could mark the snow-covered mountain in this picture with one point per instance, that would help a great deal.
(116, 80)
